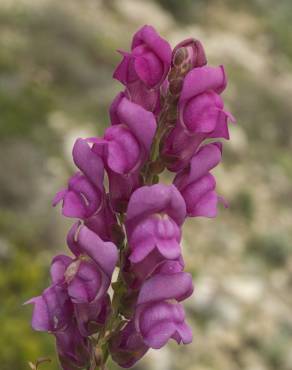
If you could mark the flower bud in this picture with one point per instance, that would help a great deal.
(190, 52)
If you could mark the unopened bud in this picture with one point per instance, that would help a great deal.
(190, 52)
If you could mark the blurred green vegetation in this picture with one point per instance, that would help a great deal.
(273, 250)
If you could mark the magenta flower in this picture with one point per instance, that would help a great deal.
(73, 349)
(158, 198)
(121, 187)
(80, 200)
(126, 144)
(104, 222)
(127, 346)
(197, 185)
(154, 216)
(201, 115)
(52, 310)
(88, 162)
(144, 69)
(156, 319)
(84, 194)
(84, 242)
(84, 279)
(136, 273)
(91, 317)
(86, 287)
(157, 231)
(149, 60)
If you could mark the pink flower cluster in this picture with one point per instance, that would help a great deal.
(171, 104)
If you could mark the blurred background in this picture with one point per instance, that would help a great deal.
(56, 62)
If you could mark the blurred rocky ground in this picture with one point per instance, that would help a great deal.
(56, 61)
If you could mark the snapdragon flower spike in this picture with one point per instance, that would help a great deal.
(171, 105)
(156, 319)
(154, 216)
(84, 194)
(201, 115)
(197, 185)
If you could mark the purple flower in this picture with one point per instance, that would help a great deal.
(86, 286)
(139, 94)
(81, 199)
(73, 349)
(91, 317)
(88, 162)
(121, 187)
(158, 320)
(144, 69)
(136, 273)
(52, 309)
(79, 285)
(149, 60)
(154, 216)
(127, 346)
(126, 144)
(158, 198)
(84, 242)
(104, 222)
(83, 280)
(156, 231)
(84, 194)
(201, 115)
(197, 185)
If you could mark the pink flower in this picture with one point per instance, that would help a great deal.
(127, 346)
(201, 115)
(197, 185)
(156, 319)
(149, 60)
(85, 192)
(154, 216)
(126, 144)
